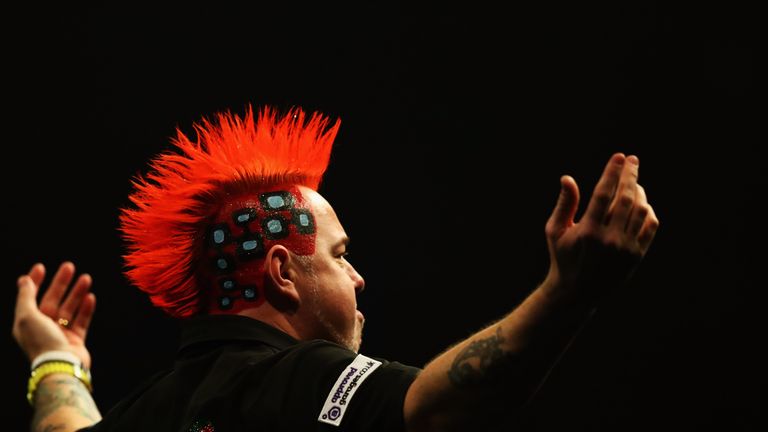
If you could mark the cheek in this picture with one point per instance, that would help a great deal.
(342, 298)
(335, 291)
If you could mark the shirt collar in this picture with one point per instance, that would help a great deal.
(210, 328)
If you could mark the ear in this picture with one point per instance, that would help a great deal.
(280, 276)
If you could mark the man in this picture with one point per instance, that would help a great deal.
(231, 236)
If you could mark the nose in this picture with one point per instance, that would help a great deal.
(357, 279)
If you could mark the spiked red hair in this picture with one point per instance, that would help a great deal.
(176, 199)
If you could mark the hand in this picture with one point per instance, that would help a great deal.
(57, 324)
(603, 249)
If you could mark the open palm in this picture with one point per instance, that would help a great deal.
(61, 320)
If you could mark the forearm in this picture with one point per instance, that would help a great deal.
(63, 404)
(497, 369)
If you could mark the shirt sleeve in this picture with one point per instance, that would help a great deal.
(321, 386)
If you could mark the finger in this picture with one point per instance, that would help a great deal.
(605, 189)
(626, 194)
(648, 232)
(53, 295)
(84, 314)
(75, 297)
(26, 299)
(37, 273)
(565, 209)
(639, 213)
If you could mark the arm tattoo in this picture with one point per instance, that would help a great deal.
(476, 361)
(57, 392)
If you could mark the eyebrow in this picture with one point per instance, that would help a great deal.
(344, 241)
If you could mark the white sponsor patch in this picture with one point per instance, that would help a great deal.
(341, 394)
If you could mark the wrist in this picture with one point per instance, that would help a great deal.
(55, 366)
(55, 355)
(565, 294)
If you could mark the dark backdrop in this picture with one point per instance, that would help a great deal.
(454, 133)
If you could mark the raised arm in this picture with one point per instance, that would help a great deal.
(57, 329)
(483, 379)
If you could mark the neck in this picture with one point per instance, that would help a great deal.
(275, 318)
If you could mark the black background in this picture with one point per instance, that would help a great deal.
(455, 130)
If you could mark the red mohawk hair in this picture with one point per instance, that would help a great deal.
(180, 194)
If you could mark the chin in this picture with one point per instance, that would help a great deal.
(355, 345)
(357, 339)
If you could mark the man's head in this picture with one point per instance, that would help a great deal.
(232, 223)
(318, 291)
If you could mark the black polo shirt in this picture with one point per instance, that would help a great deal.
(235, 373)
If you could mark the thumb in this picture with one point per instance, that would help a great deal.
(567, 204)
(27, 296)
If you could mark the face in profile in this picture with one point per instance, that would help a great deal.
(330, 283)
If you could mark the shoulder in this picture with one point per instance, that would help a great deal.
(321, 356)
(323, 382)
